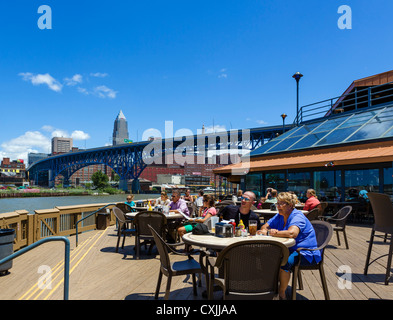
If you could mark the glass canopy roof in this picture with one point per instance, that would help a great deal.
(344, 128)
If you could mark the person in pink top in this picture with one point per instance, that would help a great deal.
(312, 200)
(208, 211)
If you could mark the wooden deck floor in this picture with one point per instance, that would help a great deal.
(99, 273)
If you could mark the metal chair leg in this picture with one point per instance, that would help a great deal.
(369, 252)
(158, 285)
(294, 281)
(324, 284)
(194, 284)
(168, 288)
(338, 238)
(387, 276)
(300, 279)
(124, 240)
(345, 239)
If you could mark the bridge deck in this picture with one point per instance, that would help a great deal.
(99, 273)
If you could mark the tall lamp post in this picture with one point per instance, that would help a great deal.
(297, 77)
(283, 116)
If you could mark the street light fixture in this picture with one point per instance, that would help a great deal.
(297, 76)
(283, 116)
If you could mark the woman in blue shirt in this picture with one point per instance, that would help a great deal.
(292, 223)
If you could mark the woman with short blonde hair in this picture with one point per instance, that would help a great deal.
(288, 198)
(292, 223)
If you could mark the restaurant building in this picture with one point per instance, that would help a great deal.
(340, 146)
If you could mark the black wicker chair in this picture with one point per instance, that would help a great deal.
(122, 229)
(313, 214)
(178, 268)
(142, 220)
(340, 219)
(383, 222)
(250, 269)
(323, 232)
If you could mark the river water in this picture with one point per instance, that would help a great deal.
(31, 204)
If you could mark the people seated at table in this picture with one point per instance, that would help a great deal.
(353, 194)
(363, 194)
(208, 211)
(177, 204)
(242, 212)
(199, 202)
(261, 200)
(163, 200)
(187, 196)
(311, 201)
(273, 196)
(292, 223)
(130, 201)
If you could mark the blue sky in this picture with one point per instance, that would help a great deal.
(227, 63)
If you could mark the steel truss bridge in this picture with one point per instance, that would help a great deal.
(129, 160)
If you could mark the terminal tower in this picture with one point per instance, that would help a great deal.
(120, 129)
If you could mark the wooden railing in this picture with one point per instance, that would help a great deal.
(59, 221)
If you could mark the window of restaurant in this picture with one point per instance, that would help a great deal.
(254, 183)
(356, 180)
(327, 185)
(388, 181)
(299, 182)
(275, 180)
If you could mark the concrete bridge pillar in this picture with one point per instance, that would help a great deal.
(123, 184)
(51, 180)
(136, 188)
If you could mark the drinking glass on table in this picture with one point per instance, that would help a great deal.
(214, 220)
(252, 227)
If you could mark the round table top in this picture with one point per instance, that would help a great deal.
(217, 243)
(272, 212)
(171, 215)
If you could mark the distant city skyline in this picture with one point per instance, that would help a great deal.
(222, 64)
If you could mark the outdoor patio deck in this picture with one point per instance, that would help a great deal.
(97, 272)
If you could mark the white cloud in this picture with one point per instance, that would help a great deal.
(80, 135)
(261, 122)
(47, 128)
(223, 73)
(60, 133)
(36, 141)
(82, 90)
(217, 128)
(37, 79)
(99, 75)
(76, 78)
(105, 92)
(101, 91)
(30, 141)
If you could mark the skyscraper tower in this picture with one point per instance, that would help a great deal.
(120, 129)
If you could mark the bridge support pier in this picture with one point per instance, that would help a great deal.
(135, 186)
(51, 180)
(123, 185)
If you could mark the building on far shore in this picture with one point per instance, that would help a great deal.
(61, 145)
(12, 172)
